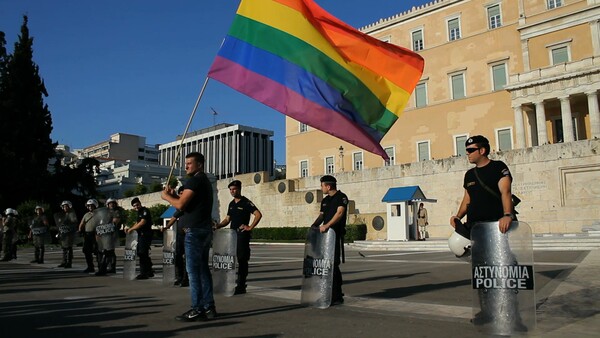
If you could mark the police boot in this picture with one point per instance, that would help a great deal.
(36, 254)
(90, 263)
(69, 263)
(64, 259)
(113, 262)
(102, 265)
(41, 260)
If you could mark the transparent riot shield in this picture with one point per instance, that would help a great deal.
(503, 279)
(169, 239)
(105, 230)
(317, 271)
(224, 259)
(130, 255)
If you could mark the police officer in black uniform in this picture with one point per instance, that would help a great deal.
(333, 214)
(238, 214)
(144, 228)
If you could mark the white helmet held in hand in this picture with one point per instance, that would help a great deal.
(460, 246)
(11, 211)
(92, 202)
(66, 203)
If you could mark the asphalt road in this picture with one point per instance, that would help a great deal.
(388, 294)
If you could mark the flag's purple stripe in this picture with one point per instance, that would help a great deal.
(292, 104)
(294, 77)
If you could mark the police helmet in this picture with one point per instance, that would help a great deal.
(39, 207)
(11, 211)
(111, 200)
(66, 203)
(460, 246)
(93, 202)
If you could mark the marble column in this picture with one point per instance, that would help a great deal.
(594, 114)
(540, 118)
(519, 127)
(567, 119)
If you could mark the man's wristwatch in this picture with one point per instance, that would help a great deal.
(510, 215)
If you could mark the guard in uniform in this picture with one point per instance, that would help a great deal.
(238, 215)
(9, 228)
(144, 228)
(39, 232)
(90, 246)
(333, 214)
(66, 232)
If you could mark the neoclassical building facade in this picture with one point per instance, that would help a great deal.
(523, 73)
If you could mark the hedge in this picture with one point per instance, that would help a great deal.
(354, 232)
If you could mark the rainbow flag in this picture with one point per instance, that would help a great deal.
(298, 59)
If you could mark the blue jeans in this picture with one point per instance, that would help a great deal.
(197, 246)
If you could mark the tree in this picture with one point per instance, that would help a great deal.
(25, 124)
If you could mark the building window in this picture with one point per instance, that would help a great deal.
(357, 159)
(459, 145)
(304, 168)
(303, 127)
(423, 151)
(390, 151)
(417, 40)
(421, 95)
(554, 3)
(457, 81)
(499, 76)
(504, 137)
(494, 17)
(559, 55)
(453, 29)
(329, 165)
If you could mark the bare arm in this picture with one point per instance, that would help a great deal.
(257, 216)
(318, 221)
(507, 205)
(224, 222)
(178, 201)
(339, 213)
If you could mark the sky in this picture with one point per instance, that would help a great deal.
(137, 66)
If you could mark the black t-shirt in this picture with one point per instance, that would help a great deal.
(329, 207)
(239, 213)
(197, 212)
(484, 206)
(144, 213)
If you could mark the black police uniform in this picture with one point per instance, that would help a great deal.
(144, 242)
(239, 214)
(329, 207)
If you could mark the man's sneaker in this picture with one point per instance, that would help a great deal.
(141, 276)
(210, 313)
(190, 316)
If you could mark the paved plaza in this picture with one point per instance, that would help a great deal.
(388, 294)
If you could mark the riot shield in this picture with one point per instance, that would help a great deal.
(130, 255)
(224, 259)
(169, 239)
(503, 279)
(105, 230)
(317, 272)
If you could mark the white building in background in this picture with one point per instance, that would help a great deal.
(229, 149)
(116, 177)
(123, 147)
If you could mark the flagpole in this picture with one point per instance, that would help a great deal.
(178, 152)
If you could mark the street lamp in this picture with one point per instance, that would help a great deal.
(341, 149)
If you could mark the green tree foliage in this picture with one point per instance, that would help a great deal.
(140, 189)
(25, 124)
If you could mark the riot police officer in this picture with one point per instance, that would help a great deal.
(67, 226)
(90, 246)
(143, 226)
(9, 228)
(39, 233)
(116, 216)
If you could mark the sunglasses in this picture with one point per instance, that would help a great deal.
(471, 150)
